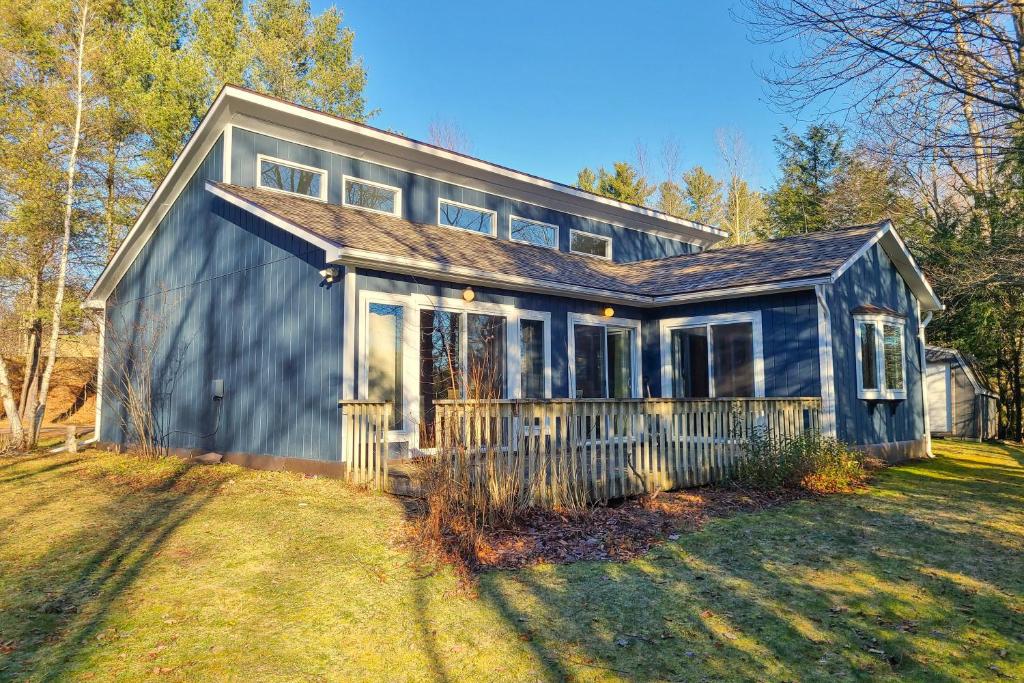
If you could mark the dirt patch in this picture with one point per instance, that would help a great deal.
(618, 532)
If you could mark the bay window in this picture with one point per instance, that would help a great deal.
(881, 362)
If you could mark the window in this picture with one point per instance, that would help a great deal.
(690, 378)
(881, 363)
(532, 359)
(384, 357)
(371, 196)
(462, 355)
(485, 367)
(287, 176)
(718, 356)
(589, 244)
(466, 217)
(604, 358)
(533, 232)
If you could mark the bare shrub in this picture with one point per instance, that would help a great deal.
(141, 369)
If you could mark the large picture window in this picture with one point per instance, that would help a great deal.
(713, 357)
(881, 361)
(532, 359)
(462, 355)
(604, 358)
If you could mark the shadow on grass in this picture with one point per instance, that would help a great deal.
(61, 618)
(898, 582)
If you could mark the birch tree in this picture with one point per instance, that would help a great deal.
(82, 22)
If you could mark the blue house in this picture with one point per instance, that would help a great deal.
(294, 259)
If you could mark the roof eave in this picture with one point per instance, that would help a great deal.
(897, 251)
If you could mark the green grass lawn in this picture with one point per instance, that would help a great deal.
(116, 569)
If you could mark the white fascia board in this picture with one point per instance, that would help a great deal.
(420, 157)
(905, 263)
(743, 291)
(195, 151)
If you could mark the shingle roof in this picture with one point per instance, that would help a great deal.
(792, 258)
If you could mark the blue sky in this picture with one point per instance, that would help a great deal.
(549, 87)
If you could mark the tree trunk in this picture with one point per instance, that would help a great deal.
(11, 408)
(33, 342)
(69, 201)
(111, 235)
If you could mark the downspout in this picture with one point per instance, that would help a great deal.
(924, 380)
(826, 372)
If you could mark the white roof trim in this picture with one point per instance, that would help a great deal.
(396, 145)
(195, 151)
(904, 261)
(234, 102)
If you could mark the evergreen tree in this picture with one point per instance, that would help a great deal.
(811, 166)
(702, 196)
(670, 199)
(624, 184)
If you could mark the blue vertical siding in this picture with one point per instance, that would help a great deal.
(241, 301)
(873, 280)
(789, 325)
(420, 195)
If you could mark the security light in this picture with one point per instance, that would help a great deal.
(329, 274)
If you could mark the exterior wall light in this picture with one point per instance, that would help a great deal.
(329, 274)
(608, 311)
(468, 294)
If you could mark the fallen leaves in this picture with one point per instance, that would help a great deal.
(616, 532)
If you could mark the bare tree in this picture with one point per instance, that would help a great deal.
(942, 77)
(448, 134)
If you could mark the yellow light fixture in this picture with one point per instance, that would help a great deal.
(468, 294)
(609, 311)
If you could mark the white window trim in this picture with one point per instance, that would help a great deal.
(413, 304)
(410, 349)
(882, 393)
(545, 318)
(345, 180)
(558, 231)
(575, 319)
(605, 238)
(706, 321)
(322, 172)
(494, 216)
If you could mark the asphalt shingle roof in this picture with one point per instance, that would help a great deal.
(790, 258)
